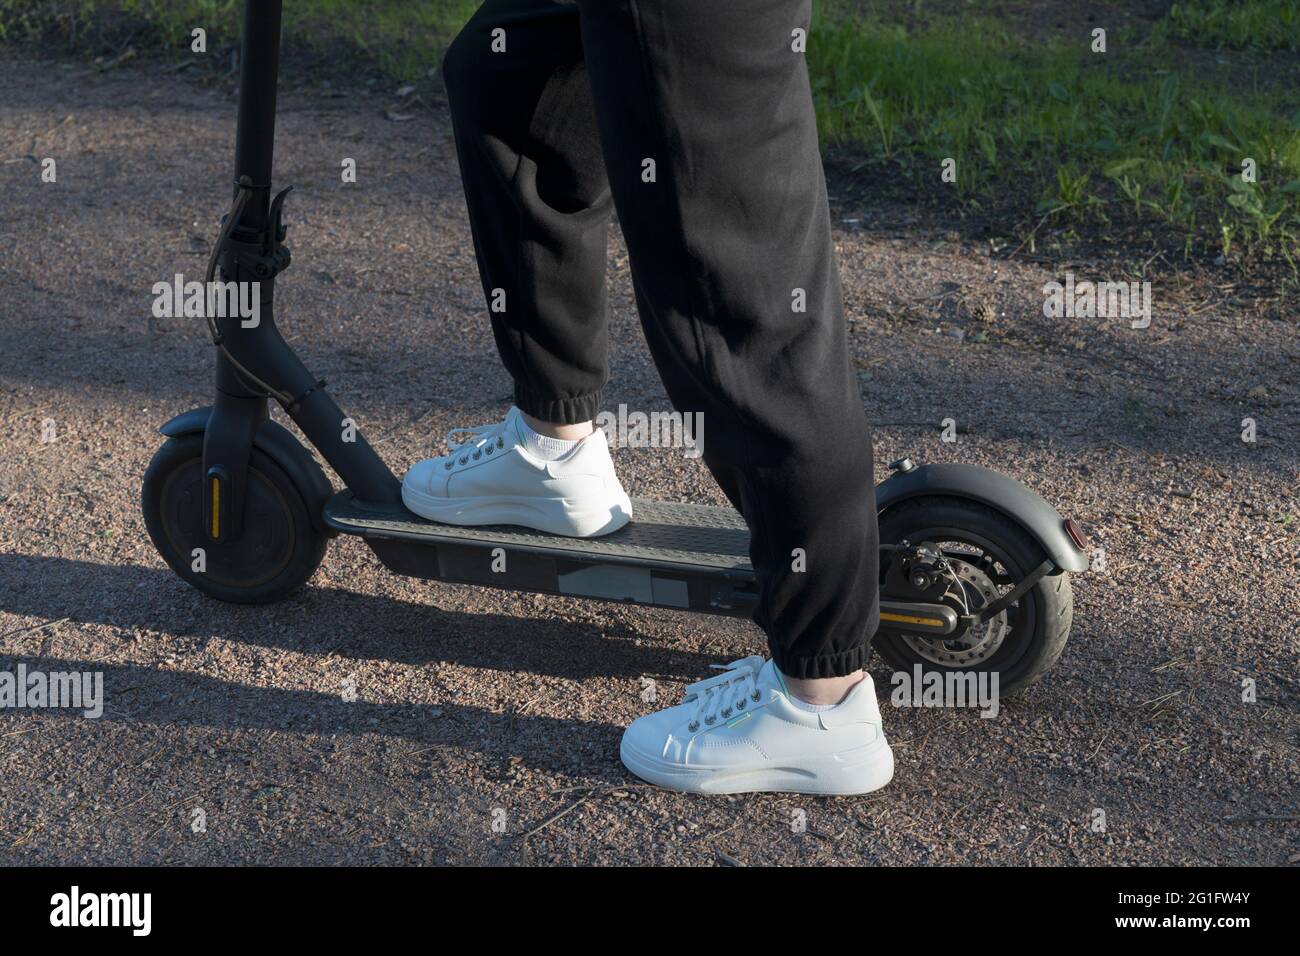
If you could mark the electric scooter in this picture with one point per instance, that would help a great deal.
(974, 566)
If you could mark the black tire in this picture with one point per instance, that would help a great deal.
(1043, 615)
(278, 551)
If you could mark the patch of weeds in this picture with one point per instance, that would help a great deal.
(1087, 139)
(1232, 24)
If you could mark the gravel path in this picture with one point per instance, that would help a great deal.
(486, 724)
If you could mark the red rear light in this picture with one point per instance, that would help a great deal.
(1076, 534)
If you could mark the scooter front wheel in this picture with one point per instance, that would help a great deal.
(278, 550)
(984, 555)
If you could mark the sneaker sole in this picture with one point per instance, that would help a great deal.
(553, 515)
(844, 774)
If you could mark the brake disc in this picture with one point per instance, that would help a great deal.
(977, 643)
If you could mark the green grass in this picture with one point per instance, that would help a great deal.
(1088, 138)
(1140, 140)
(403, 38)
(1253, 25)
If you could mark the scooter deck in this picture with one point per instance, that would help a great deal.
(672, 554)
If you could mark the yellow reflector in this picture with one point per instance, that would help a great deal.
(906, 619)
(216, 508)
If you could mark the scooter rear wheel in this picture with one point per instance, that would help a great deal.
(1023, 642)
(278, 550)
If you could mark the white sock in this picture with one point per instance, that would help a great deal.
(544, 446)
(804, 705)
(811, 708)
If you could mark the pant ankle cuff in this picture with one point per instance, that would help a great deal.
(822, 665)
(558, 411)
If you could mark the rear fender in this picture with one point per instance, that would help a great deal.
(1021, 504)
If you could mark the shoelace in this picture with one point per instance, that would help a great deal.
(753, 662)
(485, 439)
(726, 694)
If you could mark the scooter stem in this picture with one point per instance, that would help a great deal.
(253, 252)
(259, 70)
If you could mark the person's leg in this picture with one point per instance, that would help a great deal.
(539, 208)
(711, 149)
(538, 199)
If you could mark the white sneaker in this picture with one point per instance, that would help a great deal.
(492, 478)
(738, 732)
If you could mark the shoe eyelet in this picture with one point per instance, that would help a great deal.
(710, 720)
(447, 466)
(726, 712)
(740, 704)
(756, 697)
(477, 455)
(464, 459)
(693, 726)
(491, 449)
(501, 443)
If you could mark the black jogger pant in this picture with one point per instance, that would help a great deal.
(694, 119)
